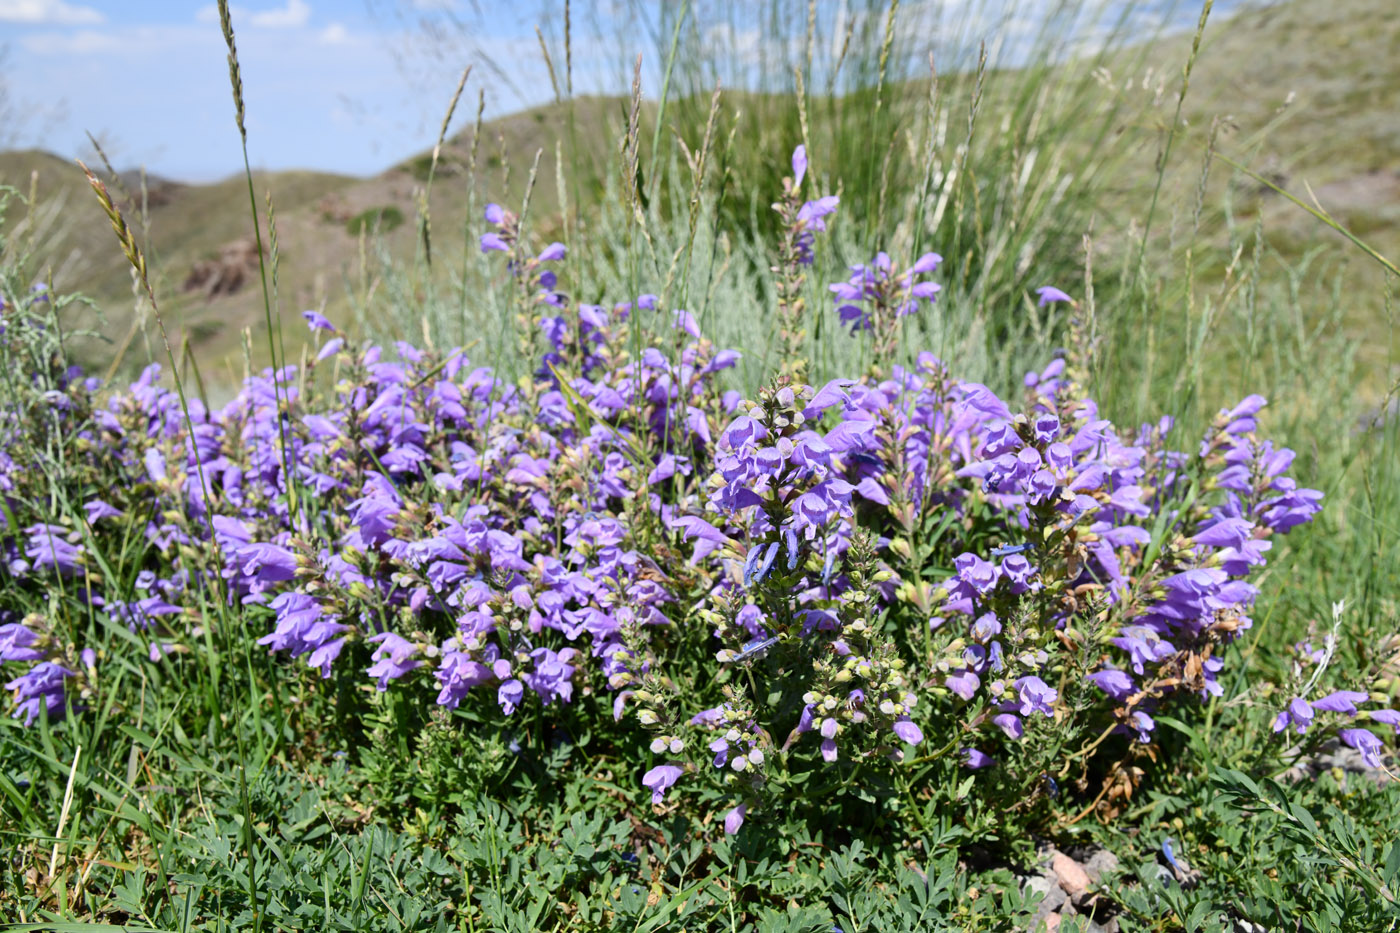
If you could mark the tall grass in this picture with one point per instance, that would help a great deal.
(1012, 161)
(1017, 176)
(1005, 171)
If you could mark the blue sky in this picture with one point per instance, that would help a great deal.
(357, 85)
(340, 85)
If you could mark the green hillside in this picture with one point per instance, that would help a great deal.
(1301, 92)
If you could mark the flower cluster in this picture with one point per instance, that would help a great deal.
(810, 580)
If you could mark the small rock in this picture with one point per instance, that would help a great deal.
(1102, 862)
(1045, 886)
(1053, 899)
(1071, 874)
(1052, 923)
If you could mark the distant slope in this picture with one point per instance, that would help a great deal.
(1337, 132)
(318, 255)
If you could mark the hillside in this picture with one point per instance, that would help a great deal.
(1306, 94)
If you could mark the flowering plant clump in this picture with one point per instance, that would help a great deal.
(786, 592)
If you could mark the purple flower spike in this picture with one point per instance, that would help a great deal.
(660, 779)
(1049, 294)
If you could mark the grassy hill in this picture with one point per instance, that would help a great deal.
(1303, 94)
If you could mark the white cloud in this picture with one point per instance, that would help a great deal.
(294, 15)
(48, 11)
(124, 42)
(83, 42)
(334, 34)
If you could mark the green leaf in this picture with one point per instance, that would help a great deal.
(1392, 862)
(1304, 818)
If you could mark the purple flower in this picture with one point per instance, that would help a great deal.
(925, 264)
(1009, 724)
(16, 643)
(48, 547)
(907, 731)
(552, 253)
(810, 214)
(394, 656)
(735, 818)
(1388, 716)
(495, 214)
(509, 694)
(97, 509)
(799, 169)
(1341, 701)
(977, 573)
(974, 759)
(1144, 646)
(833, 393)
(493, 241)
(660, 779)
(963, 683)
(552, 675)
(1018, 570)
(1117, 684)
(1036, 696)
(1299, 712)
(315, 320)
(1365, 742)
(1049, 294)
(41, 687)
(1227, 532)
(986, 627)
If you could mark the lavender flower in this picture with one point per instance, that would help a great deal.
(660, 779)
(1365, 742)
(42, 687)
(17, 643)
